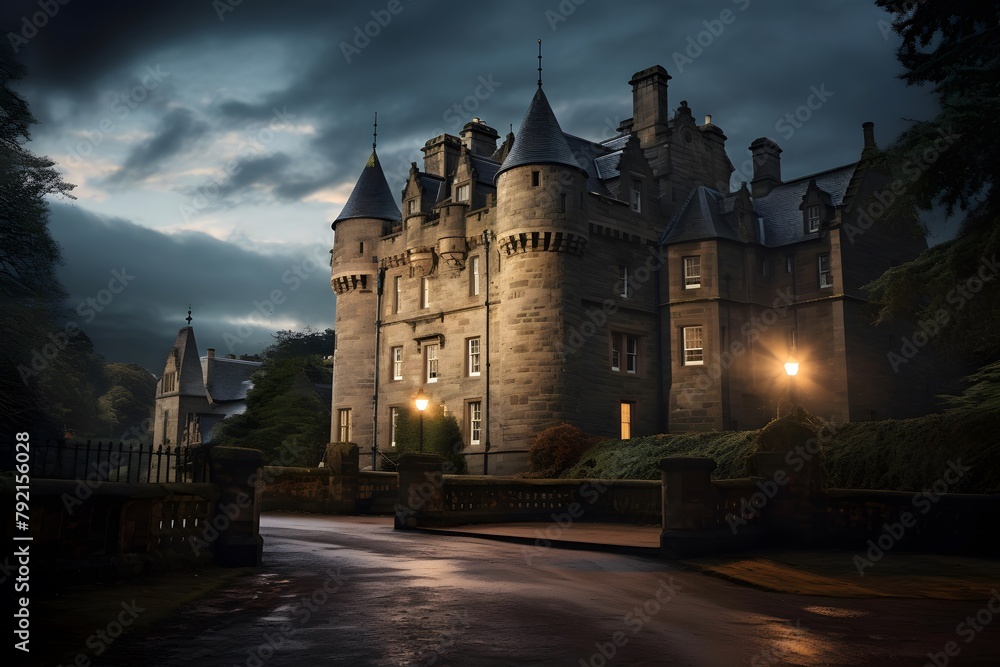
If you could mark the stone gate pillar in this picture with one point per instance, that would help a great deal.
(236, 472)
(421, 491)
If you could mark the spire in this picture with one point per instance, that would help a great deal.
(189, 315)
(371, 197)
(375, 133)
(539, 140)
(539, 63)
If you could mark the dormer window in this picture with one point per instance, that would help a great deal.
(812, 219)
(462, 193)
(637, 196)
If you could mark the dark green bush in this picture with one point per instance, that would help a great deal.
(442, 436)
(557, 448)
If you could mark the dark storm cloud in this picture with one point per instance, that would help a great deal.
(163, 273)
(177, 131)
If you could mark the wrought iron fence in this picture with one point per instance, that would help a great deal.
(119, 462)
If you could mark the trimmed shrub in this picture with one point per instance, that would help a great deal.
(557, 448)
(442, 436)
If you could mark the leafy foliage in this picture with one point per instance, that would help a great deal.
(29, 290)
(982, 394)
(952, 160)
(557, 448)
(285, 417)
(441, 436)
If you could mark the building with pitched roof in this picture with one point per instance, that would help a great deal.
(195, 393)
(618, 285)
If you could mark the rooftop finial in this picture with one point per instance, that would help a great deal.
(375, 133)
(189, 315)
(539, 63)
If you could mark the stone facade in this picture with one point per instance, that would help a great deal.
(629, 292)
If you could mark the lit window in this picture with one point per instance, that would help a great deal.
(631, 354)
(626, 420)
(475, 422)
(397, 363)
(615, 353)
(637, 196)
(344, 424)
(623, 281)
(694, 354)
(473, 357)
(425, 293)
(431, 355)
(393, 420)
(474, 277)
(397, 297)
(825, 275)
(812, 219)
(462, 193)
(692, 272)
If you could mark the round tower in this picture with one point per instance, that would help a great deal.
(541, 234)
(368, 214)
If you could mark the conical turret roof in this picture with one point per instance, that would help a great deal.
(371, 197)
(539, 140)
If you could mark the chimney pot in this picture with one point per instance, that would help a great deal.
(869, 132)
(210, 352)
(708, 119)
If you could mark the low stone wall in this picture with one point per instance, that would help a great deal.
(296, 489)
(377, 492)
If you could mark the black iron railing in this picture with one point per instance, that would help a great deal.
(119, 462)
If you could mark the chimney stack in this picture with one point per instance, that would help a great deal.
(210, 352)
(479, 138)
(766, 166)
(869, 131)
(708, 119)
(649, 104)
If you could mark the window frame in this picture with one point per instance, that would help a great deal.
(344, 424)
(626, 417)
(632, 354)
(616, 353)
(686, 358)
(397, 297)
(474, 276)
(688, 276)
(812, 221)
(636, 196)
(462, 192)
(425, 293)
(471, 356)
(393, 424)
(432, 363)
(475, 425)
(623, 288)
(396, 357)
(825, 277)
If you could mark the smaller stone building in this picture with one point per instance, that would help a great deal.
(196, 393)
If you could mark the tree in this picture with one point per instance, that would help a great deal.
(300, 344)
(128, 399)
(30, 294)
(950, 161)
(441, 436)
(285, 417)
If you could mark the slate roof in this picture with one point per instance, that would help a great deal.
(700, 217)
(780, 208)
(587, 153)
(486, 169)
(229, 379)
(539, 140)
(371, 197)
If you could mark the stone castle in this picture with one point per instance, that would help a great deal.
(618, 285)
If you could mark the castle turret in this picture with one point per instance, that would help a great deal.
(369, 213)
(541, 235)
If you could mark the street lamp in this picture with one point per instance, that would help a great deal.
(791, 370)
(421, 402)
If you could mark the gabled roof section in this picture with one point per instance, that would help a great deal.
(486, 169)
(781, 210)
(371, 197)
(539, 140)
(587, 154)
(228, 379)
(189, 379)
(700, 218)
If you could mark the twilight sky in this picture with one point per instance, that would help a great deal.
(212, 143)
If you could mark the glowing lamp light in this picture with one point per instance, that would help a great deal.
(791, 368)
(421, 401)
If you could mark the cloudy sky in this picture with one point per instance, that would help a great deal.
(213, 142)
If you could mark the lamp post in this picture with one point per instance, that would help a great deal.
(421, 402)
(791, 370)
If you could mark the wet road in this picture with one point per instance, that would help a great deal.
(351, 591)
